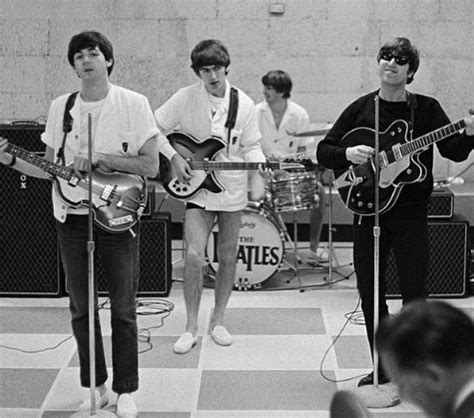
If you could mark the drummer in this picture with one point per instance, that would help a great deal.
(279, 117)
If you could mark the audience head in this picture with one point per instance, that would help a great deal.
(428, 349)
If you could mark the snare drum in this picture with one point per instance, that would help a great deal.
(295, 191)
(260, 249)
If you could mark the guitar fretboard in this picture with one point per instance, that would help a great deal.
(410, 147)
(428, 139)
(45, 165)
(228, 165)
(243, 165)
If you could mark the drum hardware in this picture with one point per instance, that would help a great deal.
(292, 193)
(317, 132)
(330, 249)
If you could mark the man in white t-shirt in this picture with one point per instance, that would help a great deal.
(279, 117)
(202, 110)
(123, 137)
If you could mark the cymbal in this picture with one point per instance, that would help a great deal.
(317, 132)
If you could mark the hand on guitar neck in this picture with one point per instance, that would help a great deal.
(6, 158)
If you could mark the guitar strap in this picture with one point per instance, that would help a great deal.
(412, 104)
(67, 126)
(232, 113)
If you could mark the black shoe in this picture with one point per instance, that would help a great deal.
(369, 379)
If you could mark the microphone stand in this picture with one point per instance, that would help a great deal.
(90, 259)
(91, 287)
(375, 396)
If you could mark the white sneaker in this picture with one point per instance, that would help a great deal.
(320, 256)
(126, 407)
(221, 336)
(100, 400)
(185, 343)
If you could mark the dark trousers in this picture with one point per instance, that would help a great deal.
(409, 239)
(120, 258)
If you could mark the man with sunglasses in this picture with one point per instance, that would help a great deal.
(404, 226)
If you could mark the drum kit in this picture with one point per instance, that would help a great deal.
(263, 236)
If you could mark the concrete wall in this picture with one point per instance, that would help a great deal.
(328, 47)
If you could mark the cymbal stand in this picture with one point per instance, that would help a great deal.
(330, 249)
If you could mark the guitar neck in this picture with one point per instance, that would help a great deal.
(428, 139)
(45, 165)
(230, 165)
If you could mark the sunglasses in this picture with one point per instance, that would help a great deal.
(399, 59)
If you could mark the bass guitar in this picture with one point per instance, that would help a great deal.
(398, 161)
(200, 156)
(118, 199)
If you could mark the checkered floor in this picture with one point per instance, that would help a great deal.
(292, 350)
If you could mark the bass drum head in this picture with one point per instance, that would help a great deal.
(260, 250)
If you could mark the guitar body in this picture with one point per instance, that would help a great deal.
(191, 150)
(356, 185)
(118, 199)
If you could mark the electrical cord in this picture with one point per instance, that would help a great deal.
(148, 307)
(349, 319)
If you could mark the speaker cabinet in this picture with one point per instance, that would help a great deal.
(448, 263)
(28, 245)
(441, 204)
(155, 258)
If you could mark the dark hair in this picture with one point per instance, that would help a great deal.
(91, 39)
(427, 332)
(280, 81)
(209, 52)
(403, 46)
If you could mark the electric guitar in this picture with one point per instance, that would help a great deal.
(200, 156)
(118, 199)
(398, 161)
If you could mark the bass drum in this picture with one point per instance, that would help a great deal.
(260, 249)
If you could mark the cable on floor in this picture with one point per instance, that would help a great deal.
(349, 319)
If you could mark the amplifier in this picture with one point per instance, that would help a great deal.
(155, 258)
(28, 247)
(448, 263)
(441, 204)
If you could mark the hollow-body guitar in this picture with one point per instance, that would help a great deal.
(398, 161)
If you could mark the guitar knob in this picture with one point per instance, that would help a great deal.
(360, 204)
(409, 171)
(370, 205)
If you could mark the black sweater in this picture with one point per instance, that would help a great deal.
(428, 116)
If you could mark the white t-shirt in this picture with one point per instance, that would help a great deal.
(123, 123)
